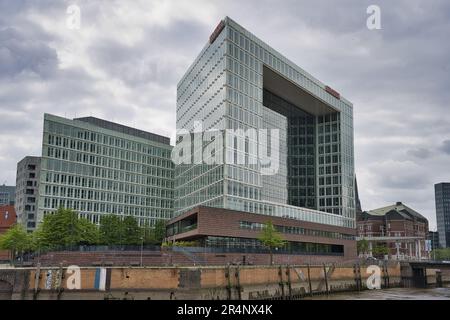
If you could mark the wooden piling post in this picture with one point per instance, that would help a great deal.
(228, 276)
(281, 283)
(325, 277)
(309, 281)
(289, 283)
(37, 278)
(238, 283)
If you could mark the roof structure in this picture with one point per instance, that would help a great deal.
(396, 210)
(7, 217)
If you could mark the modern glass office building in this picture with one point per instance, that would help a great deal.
(442, 197)
(7, 195)
(97, 167)
(238, 84)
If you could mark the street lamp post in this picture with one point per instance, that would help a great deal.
(142, 249)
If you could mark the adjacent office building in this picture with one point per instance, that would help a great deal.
(442, 198)
(97, 167)
(7, 195)
(433, 236)
(27, 194)
(301, 168)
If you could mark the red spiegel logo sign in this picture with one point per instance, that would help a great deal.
(216, 32)
(333, 92)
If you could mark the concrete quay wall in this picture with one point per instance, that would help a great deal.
(211, 282)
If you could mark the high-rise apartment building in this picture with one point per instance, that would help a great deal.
(27, 183)
(442, 197)
(97, 167)
(237, 86)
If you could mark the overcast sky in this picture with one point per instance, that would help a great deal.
(124, 62)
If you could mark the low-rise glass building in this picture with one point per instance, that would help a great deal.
(97, 167)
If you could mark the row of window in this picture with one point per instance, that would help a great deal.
(107, 185)
(231, 244)
(121, 194)
(296, 230)
(107, 163)
(204, 64)
(162, 159)
(160, 209)
(69, 137)
(85, 175)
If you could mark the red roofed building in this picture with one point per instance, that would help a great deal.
(7, 218)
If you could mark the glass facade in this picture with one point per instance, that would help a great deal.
(226, 89)
(442, 197)
(98, 171)
(243, 245)
(7, 195)
(274, 187)
(247, 225)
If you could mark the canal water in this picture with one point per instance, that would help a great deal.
(390, 294)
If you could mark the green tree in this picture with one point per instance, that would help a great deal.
(155, 235)
(160, 231)
(132, 233)
(441, 254)
(64, 228)
(380, 250)
(362, 246)
(271, 238)
(16, 240)
(117, 231)
(111, 230)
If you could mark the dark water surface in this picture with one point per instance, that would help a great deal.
(390, 294)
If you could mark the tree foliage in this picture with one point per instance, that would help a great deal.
(170, 244)
(132, 232)
(271, 238)
(111, 232)
(362, 246)
(441, 254)
(380, 250)
(64, 228)
(117, 231)
(16, 239)
(155, 235)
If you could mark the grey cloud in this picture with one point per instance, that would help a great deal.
(19, 54)
(403, 176)
(446, 147)
(421, 153)
(152, 60)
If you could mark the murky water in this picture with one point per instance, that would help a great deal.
(391, 294)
